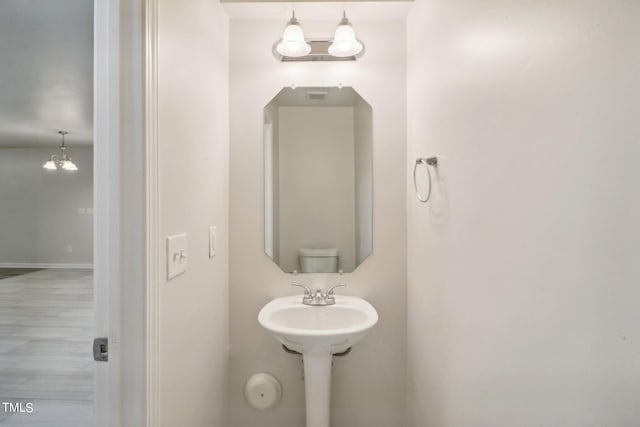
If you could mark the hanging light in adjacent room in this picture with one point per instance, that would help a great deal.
(345, 42)
(63, 161)
(293, 43)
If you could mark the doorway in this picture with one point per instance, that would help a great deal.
(47, 213)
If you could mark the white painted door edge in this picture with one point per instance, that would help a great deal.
(119, 221)
(106, 228)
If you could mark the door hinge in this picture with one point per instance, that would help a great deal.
(101, 349)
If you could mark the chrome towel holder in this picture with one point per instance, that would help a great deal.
(426, 161)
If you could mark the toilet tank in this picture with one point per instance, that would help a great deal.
(314, 260)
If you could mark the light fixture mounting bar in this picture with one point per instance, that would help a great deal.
(319, 52)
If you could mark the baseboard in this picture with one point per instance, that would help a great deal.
(45, 265)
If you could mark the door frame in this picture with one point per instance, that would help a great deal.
(122, 260)
(153, 247)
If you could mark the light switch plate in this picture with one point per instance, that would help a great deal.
(212, 241)
(176, 255)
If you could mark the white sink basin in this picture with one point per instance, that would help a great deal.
(318, 329)
(318, 332)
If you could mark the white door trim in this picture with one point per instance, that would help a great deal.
(153, 209)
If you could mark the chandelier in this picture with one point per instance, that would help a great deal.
(63, 161)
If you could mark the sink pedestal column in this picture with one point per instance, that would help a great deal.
(317, 388)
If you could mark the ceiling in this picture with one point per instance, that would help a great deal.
(318, 10)
(46, 72)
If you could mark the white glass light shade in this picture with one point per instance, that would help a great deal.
(68, 165)
(63, 161)
(50, 165)
(344, 41)
(293, 43)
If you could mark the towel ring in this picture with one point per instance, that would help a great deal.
(431, 161)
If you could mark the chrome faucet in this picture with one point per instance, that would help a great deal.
(307, 298)
(318, 298)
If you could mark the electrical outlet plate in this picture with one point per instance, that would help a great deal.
(176, 255)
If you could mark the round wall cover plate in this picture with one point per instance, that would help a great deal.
(263, 391)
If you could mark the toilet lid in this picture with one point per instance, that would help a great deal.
(319, 252)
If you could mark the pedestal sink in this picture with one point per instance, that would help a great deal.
(318, 332)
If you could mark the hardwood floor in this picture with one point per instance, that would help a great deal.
(46, 331)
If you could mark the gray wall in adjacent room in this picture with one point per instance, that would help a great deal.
(40, 211)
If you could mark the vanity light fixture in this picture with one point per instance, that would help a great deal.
(63, 161)
(344, 42)
(343, 46)
(293, 43)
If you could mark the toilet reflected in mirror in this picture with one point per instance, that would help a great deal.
(318, 179)
(318, 260)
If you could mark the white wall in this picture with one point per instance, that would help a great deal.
(523, 270)
(368, 385)
(43, 213)
(193, 195)
(310, 192)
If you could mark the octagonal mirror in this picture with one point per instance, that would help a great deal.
(318, 180)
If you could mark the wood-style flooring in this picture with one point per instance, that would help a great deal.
(46, 333)
(6, 272)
